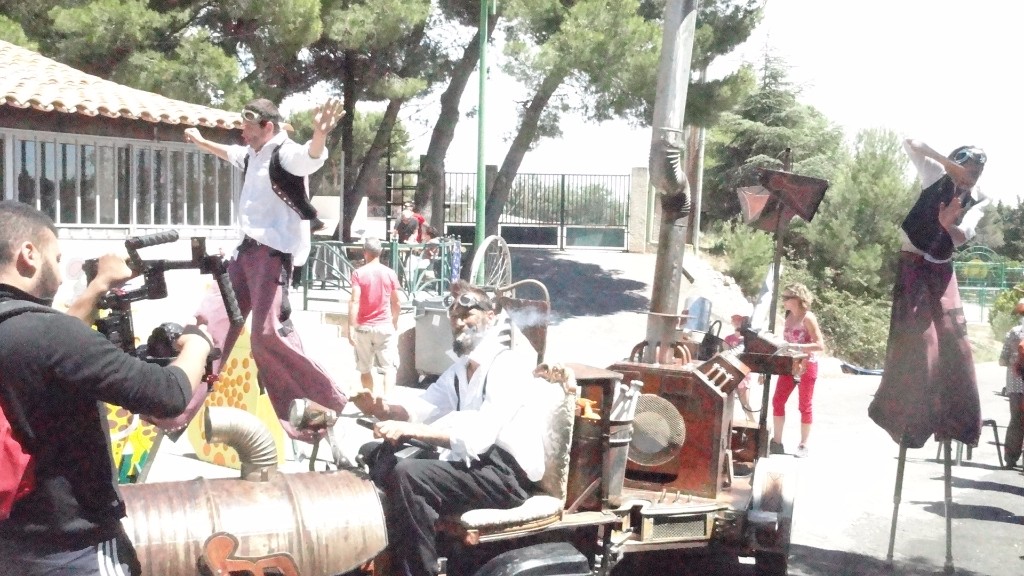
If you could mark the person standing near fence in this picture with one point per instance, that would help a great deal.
(928, 384)
(373, 315)
(1012, 358)
(409, 228)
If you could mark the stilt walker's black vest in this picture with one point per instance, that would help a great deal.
(922, 222)
(291, 189)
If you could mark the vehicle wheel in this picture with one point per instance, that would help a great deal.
(492, 263)
(770, 564)
(774, 490)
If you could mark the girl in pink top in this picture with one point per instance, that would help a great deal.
(801, 330)
(741, 320)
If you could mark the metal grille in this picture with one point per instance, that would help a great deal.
(658, 431)
(677, 527)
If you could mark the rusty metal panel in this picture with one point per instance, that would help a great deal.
(330, 522)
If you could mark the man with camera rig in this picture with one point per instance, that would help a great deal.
(54, 372)
(273, 212)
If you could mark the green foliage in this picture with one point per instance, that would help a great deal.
(989, 231)
(11, 31)
(749, 253)
(273, 31)
(1001, 315)
(1010, 221)
(854, 238)
(375, 25)
(364, 128)
(856, 328)
(706, 101)
(93, 34)
(211, 76)
(768, 122)
(168, 48)
(722, 26)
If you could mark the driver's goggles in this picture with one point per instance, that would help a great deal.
(466, 301)
(966, 154)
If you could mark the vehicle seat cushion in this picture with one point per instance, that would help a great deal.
(535, 508)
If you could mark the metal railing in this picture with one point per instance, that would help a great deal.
(328, 270)
(557, 210)
(423, 269)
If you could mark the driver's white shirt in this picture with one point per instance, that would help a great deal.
(504, 416)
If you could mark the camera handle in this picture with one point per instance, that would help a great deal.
(117, 326)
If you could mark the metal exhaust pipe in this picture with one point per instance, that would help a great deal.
(244, 432)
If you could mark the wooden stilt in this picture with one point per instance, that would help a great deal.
(948, 501)
(896, 498)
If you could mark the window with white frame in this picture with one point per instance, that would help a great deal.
(97, 181)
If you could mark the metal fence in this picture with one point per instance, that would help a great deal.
(556, 210)
(982, 275)
(424, 270)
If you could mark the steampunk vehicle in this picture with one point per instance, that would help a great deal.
(642, 455)
(661, 470)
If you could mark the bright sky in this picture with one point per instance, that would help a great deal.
(940, 71)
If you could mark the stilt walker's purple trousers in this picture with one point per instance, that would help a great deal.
(260, 277)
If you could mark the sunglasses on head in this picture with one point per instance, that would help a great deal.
(966, 154)
(467, 301)
(252, 116)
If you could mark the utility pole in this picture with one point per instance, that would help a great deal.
(486, 6)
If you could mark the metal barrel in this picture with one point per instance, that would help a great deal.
(330, 522)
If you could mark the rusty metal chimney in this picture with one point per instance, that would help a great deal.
(668, 176)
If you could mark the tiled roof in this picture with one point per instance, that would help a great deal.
(30, 80)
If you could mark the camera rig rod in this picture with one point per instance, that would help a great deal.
(117, 325)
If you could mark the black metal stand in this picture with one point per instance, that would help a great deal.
(780, 233)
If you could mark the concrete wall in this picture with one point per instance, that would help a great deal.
(644, 213)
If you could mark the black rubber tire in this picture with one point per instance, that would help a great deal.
(771, 564)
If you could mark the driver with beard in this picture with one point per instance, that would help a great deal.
(478, 414)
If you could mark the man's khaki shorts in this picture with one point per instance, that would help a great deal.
(380, 342)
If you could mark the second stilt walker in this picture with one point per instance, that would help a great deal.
(929, 386)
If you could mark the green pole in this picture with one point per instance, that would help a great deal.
(481, 176)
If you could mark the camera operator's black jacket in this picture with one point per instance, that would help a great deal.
(55, 371)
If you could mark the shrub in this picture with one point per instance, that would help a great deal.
(855, 328)
(1000, 315)
(749, 252)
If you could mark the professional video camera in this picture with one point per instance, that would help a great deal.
(117, 324)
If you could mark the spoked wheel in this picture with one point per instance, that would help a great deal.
(492, 263)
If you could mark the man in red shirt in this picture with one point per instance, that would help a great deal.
(373, 317)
